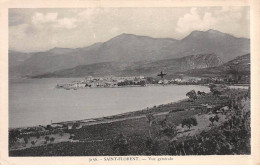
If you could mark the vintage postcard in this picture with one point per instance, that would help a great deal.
(148, 82)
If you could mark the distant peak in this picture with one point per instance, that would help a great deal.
(57, 50)
(207, 31)
(126, 35)
(213, 31)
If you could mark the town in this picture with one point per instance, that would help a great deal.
(135, 81)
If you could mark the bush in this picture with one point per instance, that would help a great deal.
(192, 95)
(120, 145)
(189, 122)
(32, 142)
(25, 139)
(152, 145)
(151, 121)
(37, 135)
(14, 135)
(213, 119)
(47, 138)
(52, 139)
(218, 89)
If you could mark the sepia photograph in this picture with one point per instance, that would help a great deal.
(148, 82)
(129, 81)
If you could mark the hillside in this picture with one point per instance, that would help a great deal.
(128, 48)
(17, 58)
(143, 68)
(240, 65)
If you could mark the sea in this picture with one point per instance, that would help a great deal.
(35, 102)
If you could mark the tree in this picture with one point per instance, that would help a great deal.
(199, 93)
(142, 83)
(25, 139)
(168, 128)
(212, 87)
(38, 135)
(192, 95)
(151, 120)
(52, 139)
(217, 89)
(47, 138)
(13, 136)
(120, 145)
(32, 142)
(213, 119)
(189, 122)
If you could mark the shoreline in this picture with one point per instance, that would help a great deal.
(105, 119)
(90, 131)
(124, 115)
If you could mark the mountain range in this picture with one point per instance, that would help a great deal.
(130, 54)
(171, 66)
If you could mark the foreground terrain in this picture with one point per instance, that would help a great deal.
(205, 124)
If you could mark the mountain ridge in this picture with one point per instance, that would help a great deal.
(142, 68)
(128, 48)
(239, 65)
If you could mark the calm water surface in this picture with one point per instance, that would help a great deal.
(37, 101)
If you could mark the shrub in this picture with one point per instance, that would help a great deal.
(217, 89)
(52, 139)
(37, 135)
(47, 138)
(13, 136)
(120, 145)
(213, 119)
(25, 138)
(167, 128)
(189, 122)
(152, 145)
(192, 95)
(32, 142)
(151, 120)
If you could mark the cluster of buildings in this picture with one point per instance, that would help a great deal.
(225, 79)
(109, 81)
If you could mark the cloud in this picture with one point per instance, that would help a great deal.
(18, 32)
(42, 29)
(15, 19)
(40, 18)
(51, 20)
(68, 23)
(193, 21)
(226, 19)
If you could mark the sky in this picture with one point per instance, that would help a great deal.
(42, 29)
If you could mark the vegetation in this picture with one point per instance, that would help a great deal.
(130, 82)
(25, 139)
(14, 135)
(214, 119)
(52, 139)
(192, 95)
(189, 122)
(151, 120)
(120, 145)
(32, 142)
